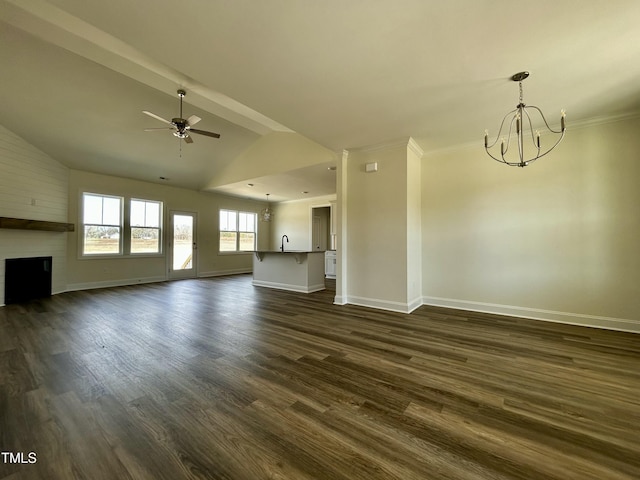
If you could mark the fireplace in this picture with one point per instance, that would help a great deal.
(26, 279)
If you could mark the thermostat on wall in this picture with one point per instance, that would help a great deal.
(371, 167)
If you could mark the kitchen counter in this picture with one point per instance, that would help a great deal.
(295, 270)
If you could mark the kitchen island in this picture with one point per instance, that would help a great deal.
(295, 270)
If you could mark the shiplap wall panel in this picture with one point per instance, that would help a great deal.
(32, 186)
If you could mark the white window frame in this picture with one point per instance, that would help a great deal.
(84, 225)
(237, 231)
(159, 228)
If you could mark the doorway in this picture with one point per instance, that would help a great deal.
(320, 218)
(182, 245)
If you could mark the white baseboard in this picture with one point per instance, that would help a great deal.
(113, 283)
(339, 300)
(610, 323)
(222, 273)
(382, 304)
(286, 286)
(138, 281)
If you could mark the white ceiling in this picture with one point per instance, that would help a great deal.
(76, 75)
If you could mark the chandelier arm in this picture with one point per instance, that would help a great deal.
(506, 162)
(549, 151)
(495, 158)
(545, 120)
(502, 160)
(520, 130)
(501, 127)
(562, 132)
(506, 148)
(533, 138)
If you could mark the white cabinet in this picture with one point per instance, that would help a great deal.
(330, 264)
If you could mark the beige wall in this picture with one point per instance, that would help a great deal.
(294, 220)
(556, 240)
(276, 152)
(96, 272)
(376, 228)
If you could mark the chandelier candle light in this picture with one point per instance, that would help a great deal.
(522, 119)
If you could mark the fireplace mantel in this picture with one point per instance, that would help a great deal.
(25, 224)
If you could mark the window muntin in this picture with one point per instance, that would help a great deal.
(237, 231)
(102, 224)
(247, 231)
(145, 221)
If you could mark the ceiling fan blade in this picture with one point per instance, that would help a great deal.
(188, 139)
(204, 132)
(193, 119)
(157, 117)
(159, 129)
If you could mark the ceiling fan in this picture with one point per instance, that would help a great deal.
(181, 127)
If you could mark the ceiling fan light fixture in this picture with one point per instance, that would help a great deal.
(521, 119)
(182, 127)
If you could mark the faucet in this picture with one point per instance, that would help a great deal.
(282, 246)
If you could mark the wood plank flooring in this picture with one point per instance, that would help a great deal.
(217, 379)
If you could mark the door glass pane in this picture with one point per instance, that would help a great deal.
(182, 242)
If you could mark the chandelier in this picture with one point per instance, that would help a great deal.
(266, 215)
(521, 119)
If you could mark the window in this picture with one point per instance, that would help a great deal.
(102, 224)
(237, 231)
(145, 224)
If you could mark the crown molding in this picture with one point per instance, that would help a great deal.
(586, 123)
(414, 147)
(404, 142)
(603, 120)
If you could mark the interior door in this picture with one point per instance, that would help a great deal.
(183, 248)
(319, 228)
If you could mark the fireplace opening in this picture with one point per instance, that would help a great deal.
(27, 279)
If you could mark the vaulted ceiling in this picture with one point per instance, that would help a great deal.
(77, 74)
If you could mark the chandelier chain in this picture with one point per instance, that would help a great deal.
(521, 96)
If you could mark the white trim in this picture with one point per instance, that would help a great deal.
(398, 142)
(589, 122)
(290, 287)
(603, 120)
(222, 273)
(113, 283)
(320, 199)
(583, 320)
(415, 303)
(385, 304)
(609, 323)
(414, 147)
(339, 300)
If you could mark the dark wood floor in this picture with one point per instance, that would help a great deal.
(214, 378)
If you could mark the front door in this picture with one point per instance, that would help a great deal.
(182, 245)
